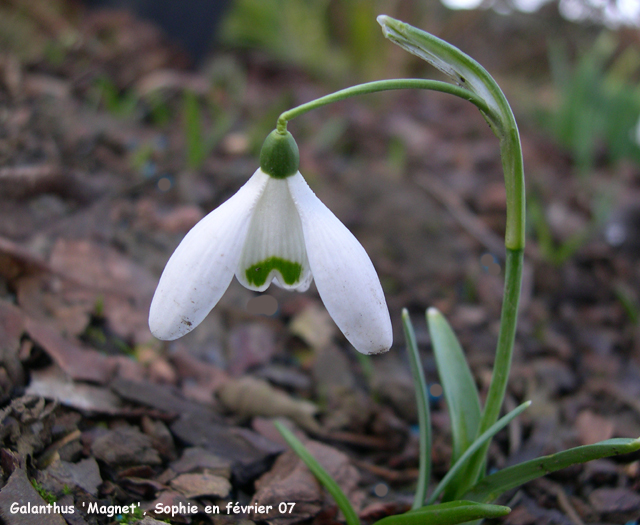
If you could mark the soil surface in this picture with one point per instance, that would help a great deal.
(111, 149)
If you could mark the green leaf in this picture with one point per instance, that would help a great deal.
(448, 513)
(496, 484)
(424, 416)
(459, 387)
(320, 473)
(477, 444)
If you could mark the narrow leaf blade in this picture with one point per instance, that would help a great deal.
(320, 473)
(458, 385)
(459, 465)
(496, 484)
(449, 513)
(424, 415)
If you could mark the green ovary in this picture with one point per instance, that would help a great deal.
(258, 273)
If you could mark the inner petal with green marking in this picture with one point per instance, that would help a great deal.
(289, 271)
(274, 249)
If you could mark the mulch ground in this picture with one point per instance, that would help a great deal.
(96, 190)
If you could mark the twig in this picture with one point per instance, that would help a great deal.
(469, 222)
(563, 500)
(615, 391)
(389, 475)
(18, 181)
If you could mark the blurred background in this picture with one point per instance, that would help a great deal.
(122, 123)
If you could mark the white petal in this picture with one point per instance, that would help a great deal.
(201, 268)
(274, 248)
(345, 277)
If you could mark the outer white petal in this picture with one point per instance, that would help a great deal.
(345, 277)
(201, 268)
(274, 249)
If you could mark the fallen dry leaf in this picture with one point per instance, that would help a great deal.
(125, 446)
(124, 287)
(611, 501)
(19, 489)
(250, 397)
(78, 362)
(250, 453)
(11, 330)
(291, 481)
(196, 459)
(204, 484)
(593, 428)
(250, 345)
(84, 474)
(314, 326)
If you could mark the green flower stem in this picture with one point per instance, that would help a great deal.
(465, 71)
(504, 352)
(512, 165)
(485, 93)
(506, 338)
(384, 85)
(424, 416)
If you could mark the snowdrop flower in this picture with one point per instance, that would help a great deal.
(274, 229)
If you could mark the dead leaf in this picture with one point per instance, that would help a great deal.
(290, 480)
(11, 329)
(160, 437)
(204, 484)
(15, 260)
(160, 397)
(80, 363)
(593, 427)
(61, 303)
(124, 287)
(178, 219)
(196, 459)
(250, 453)
(250, 397)
(19, 489)
(314, 326)
(125, 446)
(26, 424)
(84, 474)
(52, 383)
(250, 345)
(617, 500)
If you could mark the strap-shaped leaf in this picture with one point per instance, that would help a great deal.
(496, 484)
(458, 385)
(476, 445)
(449, 513)
(424, 415)
(320, 473)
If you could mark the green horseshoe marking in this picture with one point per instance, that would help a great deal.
(258, 273)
